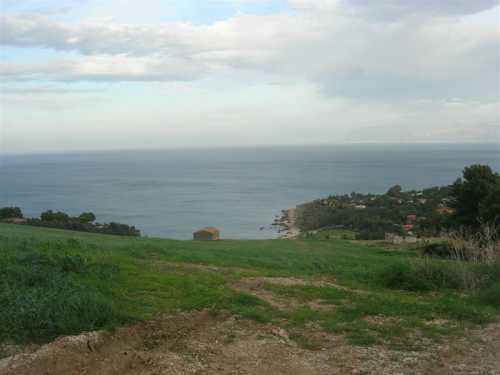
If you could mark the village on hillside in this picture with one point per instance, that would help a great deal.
(396, 216)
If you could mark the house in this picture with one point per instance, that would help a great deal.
(207, 234)
(411, 239)
(398, 240)
(445, 210)
(410, 218)
(14, 220)
(324, 202)
(408, 227)
(394, 238)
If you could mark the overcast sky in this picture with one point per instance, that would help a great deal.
(118, 74)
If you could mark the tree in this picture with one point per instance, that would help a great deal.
(54, 216)
(395, 191)
(87, 217)
(10, 212)
(476, 197)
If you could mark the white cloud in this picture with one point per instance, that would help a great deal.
(103, 68)
(398, 8)
(367, 71)
(346, 53)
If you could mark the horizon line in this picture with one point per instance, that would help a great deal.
(237, 146)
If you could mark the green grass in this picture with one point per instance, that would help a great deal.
(330, 234)
(56, 282)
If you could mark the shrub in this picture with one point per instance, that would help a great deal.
(83, 223)
(490, 296)
(54, 216)
(406, 277)
(42, 297)
(480, 246)
(426, 274)
(368, 235)
(441, 250)
(10, 212)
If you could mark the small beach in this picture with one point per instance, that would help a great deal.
(290, 223)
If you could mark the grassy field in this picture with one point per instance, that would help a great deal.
(55, 282)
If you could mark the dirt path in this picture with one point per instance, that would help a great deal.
(256, 287)
(477, 353)
(203, 343)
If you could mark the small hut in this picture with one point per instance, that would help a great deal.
(207, 234)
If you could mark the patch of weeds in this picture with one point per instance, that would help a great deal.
(426, 274)
(490, 296)
(462, 309)
(251, 307)
(43, 296)
(307, 293)
(404, 276)
(303, 341)
(244, 299)
(299, 317)
(246, 305)
(362, 338)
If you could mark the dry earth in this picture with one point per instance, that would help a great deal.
(204, 343)
(208, 343)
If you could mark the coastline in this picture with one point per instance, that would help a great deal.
(289, 222)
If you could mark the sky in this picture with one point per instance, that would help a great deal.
(127, 74)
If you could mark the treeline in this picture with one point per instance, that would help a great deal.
(470, 201)
(85, 222)
(11, 213)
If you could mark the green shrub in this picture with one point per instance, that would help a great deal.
(59, 306)
(442, 250)
(11, 212)
(427, 274)
(404, 276)
(370, 236)
(490, 296)
(42, 296)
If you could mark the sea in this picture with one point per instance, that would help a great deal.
(171, 193)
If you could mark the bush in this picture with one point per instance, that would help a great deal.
(367, 235)
(480, 246)
(426, 274)
(490, 296)
(441, 250)
(42, 297)
(54, 216)
(406, 277)
(83, 223)
(10, 212)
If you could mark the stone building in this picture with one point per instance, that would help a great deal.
(207, 234)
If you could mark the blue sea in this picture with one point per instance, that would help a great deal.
(170, 193)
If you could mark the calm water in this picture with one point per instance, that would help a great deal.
(170, 193)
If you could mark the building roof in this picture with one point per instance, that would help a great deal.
(208, 229)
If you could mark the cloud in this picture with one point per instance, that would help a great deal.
(343, 46)
(101, 69)
(42, 90)
(391, 8)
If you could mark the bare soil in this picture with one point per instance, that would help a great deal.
(205, 343)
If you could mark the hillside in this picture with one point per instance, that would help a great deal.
(328, 306)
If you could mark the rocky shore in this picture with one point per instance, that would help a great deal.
(287, 224)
